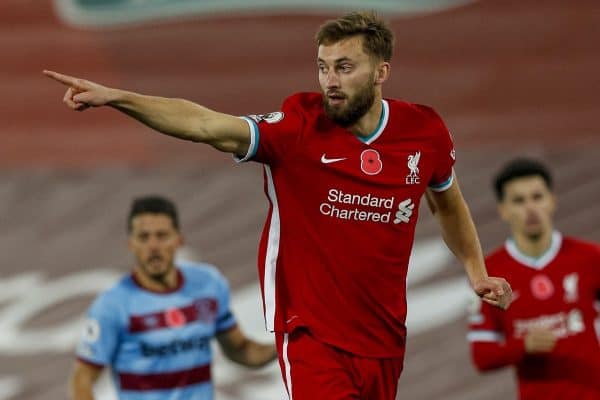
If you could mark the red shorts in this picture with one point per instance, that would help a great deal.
(314, 370)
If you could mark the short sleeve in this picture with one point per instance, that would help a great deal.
(445, 153)
(100, 335)
(273, 135)
(225, 319)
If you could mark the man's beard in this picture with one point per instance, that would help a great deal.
(356, 108)
(534, 237)
(157, 276)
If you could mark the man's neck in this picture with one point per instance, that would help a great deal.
(369, 122)
(168, 282)
(533, 247)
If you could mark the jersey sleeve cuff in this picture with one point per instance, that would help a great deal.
(226, 327)
(442, 187)
(254, 138)
(96, 364)
(225, 322)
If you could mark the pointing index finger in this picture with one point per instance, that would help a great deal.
(64, 79)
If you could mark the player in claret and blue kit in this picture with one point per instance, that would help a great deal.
(154, 327)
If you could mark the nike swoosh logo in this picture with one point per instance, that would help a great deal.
(326, 160)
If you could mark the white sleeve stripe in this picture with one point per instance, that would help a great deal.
(485, 336)
(253, 147)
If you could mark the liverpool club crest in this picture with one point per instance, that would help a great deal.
(413, 165)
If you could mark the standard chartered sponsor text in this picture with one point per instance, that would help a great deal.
(357, 207)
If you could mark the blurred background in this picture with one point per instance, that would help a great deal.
(509, 77)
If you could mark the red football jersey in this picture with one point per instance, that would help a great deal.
(334, 251)
(558, 291)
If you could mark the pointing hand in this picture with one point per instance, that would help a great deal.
(82, 94)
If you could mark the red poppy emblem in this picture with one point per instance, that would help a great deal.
(370, 162)
(174, 317)
(542, 287)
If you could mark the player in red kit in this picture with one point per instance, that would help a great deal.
(550, 332)
(345, 170)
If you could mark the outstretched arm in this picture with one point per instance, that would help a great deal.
(238, 348)
(460, 235)
(175, 117)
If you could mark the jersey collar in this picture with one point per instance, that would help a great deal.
(383, 120)
(540, 262)
(180, 282)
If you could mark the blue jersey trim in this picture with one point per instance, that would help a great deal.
(441, 187)
(380, 125)
(254, 139)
